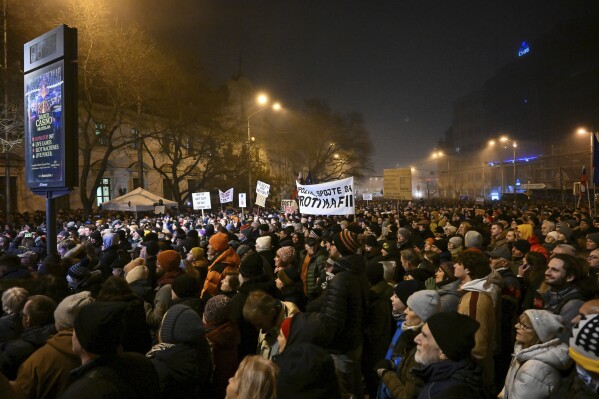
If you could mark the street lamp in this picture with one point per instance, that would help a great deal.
(583, 131)
(262, 99)
(504, 140)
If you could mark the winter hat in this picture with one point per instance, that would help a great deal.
(242, 249)
(441, 245)
(565, 230)
(450, 230)
(263, 243)
(79, 270)
(152, 248)
(181, 324)
(251, 265)
(425, 303)
(169, 260)
(303, 368)
(185, 286)
(197, 252)
(219, 241)
(552, 234)
(593, 237)
(443, 326)
(99, 327)
(286, 327)
(286, 253)
(391, 248)
(473, 239)
(68, 309)
(456, 241)
(346, 242)
(217, 309)
(546, 324)
(584, 343)
(420, 274)
(371, 241)
(502, 251)
(405, 288)
(405, 233)
(140, 272)
(289, 275)
(375, 272)
(439, 230)
(110, 239)
(522, 246)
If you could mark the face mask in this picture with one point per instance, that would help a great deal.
(587, 378)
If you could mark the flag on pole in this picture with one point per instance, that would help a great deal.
(299, 180)
(596, 158)
(583, 181)
(309, 178)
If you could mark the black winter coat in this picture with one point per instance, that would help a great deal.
(344, 304)
(451, 380)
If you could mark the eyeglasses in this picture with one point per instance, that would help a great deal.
(522, 326)
(592, 257)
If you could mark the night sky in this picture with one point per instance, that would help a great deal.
(400, 63)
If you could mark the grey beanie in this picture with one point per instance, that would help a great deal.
(407, 234)
(546, 324)
(425, 303)
(181, 324)
(473, 239)
(456, 241)
(68, 309)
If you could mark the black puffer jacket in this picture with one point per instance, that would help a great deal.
(344, 303)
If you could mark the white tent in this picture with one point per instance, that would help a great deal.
(138, 200)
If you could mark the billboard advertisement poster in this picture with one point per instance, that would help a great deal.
(44, 129)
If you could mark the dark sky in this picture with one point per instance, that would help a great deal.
(400, 63)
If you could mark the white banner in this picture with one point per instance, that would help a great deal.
(332, 198)
(242, 202)
(262, 188)
(201, 200)
(261, 200)
(367, 196)
(227, 196)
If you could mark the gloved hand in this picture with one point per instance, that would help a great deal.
(430, 284)
(383, 364)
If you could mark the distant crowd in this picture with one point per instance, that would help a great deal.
(400, 300)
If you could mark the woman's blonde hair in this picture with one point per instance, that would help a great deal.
(257, 378)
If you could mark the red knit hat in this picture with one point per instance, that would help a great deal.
(219, 241)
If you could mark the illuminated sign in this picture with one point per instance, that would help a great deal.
(524, 49)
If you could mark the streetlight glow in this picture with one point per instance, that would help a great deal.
(262, 99)
(276, 106)
(582, 130)
(503, 139)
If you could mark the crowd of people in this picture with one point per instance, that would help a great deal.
(416, 300)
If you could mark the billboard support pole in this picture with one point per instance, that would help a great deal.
(50, 223)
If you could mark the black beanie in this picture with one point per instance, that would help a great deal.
(99, 327)
(251, 265)
(523, 246)
(405, 288)
(185, 286)
(454, 333)
(375, 272)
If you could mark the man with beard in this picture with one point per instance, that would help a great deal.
(447, 367)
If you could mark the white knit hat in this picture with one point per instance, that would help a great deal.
(425, 303)
(546, 324)
(137, 273)
(263, 243)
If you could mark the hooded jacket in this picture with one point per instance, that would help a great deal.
(14, 353)
(535, 372)
(226, 261)
(450, 380)
(47, 372)
(344, 303)
(223, 341)
(450, 298)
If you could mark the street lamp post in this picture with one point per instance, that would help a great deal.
(591, 133)
(514, 145)
(262, 100)
(438, 155)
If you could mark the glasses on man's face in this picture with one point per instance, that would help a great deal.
(592, 257)
(522, 326)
